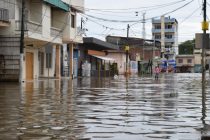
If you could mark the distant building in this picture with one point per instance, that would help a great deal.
(165, 30)
(140, 49)
(95, 52)
(185, 63)
(143, 53)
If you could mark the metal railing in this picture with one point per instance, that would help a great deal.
(4, 14)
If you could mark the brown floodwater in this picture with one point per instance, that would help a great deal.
(137, 108)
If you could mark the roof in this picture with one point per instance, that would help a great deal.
(122, 41)
(96, 44)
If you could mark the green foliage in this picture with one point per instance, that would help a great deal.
(187, 47)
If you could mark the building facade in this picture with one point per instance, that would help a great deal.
(185, 63)
(165, 30)
(48, 24)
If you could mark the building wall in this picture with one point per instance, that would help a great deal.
(149, 54)
(10, 6)
(120, 59)
(185, 61)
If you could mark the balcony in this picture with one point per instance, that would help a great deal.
(156, 30)
(166, 20)
(30, 26)
(172, 30)
(55, 32)
(169, 40)
(4, 17)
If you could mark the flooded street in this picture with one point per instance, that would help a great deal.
(139, 108)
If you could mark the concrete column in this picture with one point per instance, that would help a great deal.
(57, 62)
(71, 50)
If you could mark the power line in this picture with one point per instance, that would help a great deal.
(126, 9)
(136, 21)
(191, 14)
(168, 12)
(102, 25)
(136, 10)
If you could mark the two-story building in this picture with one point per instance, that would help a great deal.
(48, 24)
(185, 63)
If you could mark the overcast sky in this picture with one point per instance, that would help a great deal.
(189, 17)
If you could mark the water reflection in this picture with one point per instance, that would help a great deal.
(106, 108)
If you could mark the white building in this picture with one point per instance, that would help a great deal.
(165, 30)
(48, 24)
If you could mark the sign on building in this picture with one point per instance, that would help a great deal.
(199, 41)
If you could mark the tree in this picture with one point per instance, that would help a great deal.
(187, 47)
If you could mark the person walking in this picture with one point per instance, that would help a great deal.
(157, 71)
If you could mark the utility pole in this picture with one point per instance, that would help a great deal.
(22, 41)
(128, 28)
(143, 27)
(204, 28)
(203, 60)
(143, 32)
(127, 49)
(204, 39)
(81, 23)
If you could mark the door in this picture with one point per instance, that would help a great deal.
(29, 66)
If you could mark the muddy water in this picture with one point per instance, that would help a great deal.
(106, 109)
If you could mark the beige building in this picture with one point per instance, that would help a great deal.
(185, 63)
(48, 24)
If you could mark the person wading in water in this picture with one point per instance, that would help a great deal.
(157, 71)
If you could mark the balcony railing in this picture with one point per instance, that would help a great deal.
(4, 14)
(171, 30)
(169, 39)
(30, 26)
(166, 20)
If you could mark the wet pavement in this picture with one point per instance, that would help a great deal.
(139, 108)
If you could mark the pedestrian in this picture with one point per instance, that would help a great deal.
(156, 71)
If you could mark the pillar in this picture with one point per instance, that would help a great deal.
(58, 62)
(71, 50)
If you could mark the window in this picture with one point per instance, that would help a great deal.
(157, 37)
(168, 26)
(180, 61)
(157, 27)
(168, 36)
(72, 21)
(189, 60)
(48, 60)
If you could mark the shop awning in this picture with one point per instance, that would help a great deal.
(59, 4)
(103, 58)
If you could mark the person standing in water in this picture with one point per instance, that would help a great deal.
(157, 71)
